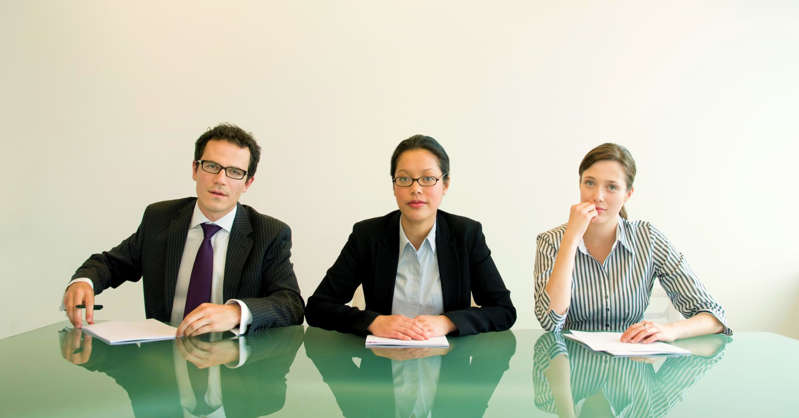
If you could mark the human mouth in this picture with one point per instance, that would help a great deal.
(217, 193)
(416, 204)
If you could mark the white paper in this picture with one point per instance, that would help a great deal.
(372, 341)
(127, 332)
(609, 342)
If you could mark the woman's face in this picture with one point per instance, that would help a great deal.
(419, 204)
(604, 184)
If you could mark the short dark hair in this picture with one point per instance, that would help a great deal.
(422, 142)
(235, 135)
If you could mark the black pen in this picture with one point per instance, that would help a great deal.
(96, 307)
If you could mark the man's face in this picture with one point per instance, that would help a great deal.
(217, 194)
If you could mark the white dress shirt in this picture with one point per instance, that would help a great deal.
(417, 289)
(219, 243)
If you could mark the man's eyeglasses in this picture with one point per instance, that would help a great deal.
(214, 168)
(424, 181)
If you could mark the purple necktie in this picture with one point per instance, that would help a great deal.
(201, 273)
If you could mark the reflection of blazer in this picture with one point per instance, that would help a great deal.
(257, 268)
(370, 258)
(468, 376)
(147, 373)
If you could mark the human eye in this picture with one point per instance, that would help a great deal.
(429, 180)
(236, 172)
(589, 183)
(613, 187)
(403, 180)
(211, 166)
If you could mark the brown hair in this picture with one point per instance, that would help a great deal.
(612, 152)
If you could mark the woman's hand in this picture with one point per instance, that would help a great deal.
(399, 327)
(435, 325)
(580, 216)
(647, 332)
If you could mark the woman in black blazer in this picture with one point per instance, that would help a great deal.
(419, 266)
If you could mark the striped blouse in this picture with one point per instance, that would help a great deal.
(614, 295)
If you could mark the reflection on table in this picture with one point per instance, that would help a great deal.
(572, 380)
(212, 375)
(404, 382)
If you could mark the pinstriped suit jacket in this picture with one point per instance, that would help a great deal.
(257, 269)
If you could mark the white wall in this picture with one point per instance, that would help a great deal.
(101, 103)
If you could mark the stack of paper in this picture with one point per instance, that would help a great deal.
(610, 342)
(127, 332)
(372, 341)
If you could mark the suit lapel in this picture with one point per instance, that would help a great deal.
(386, 259)
(238, 249)
(176, 241)
(447, 263)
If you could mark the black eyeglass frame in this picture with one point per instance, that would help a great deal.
(394, 180)
(201, 164)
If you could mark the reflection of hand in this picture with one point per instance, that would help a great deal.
(647, 332)
(435, 325)
(76, 347)
(399, 327)
(210, 317)
(79, 293)
(409, 353)
(205, 354)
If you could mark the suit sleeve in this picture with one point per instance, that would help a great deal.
(281, 304)
(114, 267)
(327, 306)
(495, 311)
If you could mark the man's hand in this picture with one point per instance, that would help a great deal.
(399, 327)
(435, 325)
(76, 346)
(205, 354)
(76, 294)
(210, 317)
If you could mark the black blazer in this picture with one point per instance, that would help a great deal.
(257, 270)
(370, 258)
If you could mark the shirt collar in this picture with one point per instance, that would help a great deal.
(226, 222)
(430, 238)
(621, 237)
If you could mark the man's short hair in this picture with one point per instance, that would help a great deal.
(235, 135)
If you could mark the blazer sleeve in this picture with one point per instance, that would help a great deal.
(119, 264)
(327, 306)
(281, 304)
(495, 311)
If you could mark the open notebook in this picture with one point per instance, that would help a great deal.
(128, 332)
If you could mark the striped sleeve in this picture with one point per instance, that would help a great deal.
(686, 292)
(544, 263)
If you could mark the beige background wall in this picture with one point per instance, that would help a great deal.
(101, 103)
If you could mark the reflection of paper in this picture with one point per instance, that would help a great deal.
(126, 332)
(372, 341)
(609, 343)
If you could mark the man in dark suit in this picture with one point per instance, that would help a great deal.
(208, 263)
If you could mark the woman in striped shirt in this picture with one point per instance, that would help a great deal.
(597, 271)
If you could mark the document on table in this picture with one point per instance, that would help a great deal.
(372, 341)
(609, 342)
(127, 332)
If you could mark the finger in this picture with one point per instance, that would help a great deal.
(89, 298)
(204, 329)
(87, 349)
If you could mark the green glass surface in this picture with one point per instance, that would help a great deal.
(296, 371)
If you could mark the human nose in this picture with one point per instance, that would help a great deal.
(220, 177)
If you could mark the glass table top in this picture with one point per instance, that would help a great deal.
(297, 371)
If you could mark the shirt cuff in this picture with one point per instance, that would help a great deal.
(244, 354)
(81, 279)
(246, 317)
